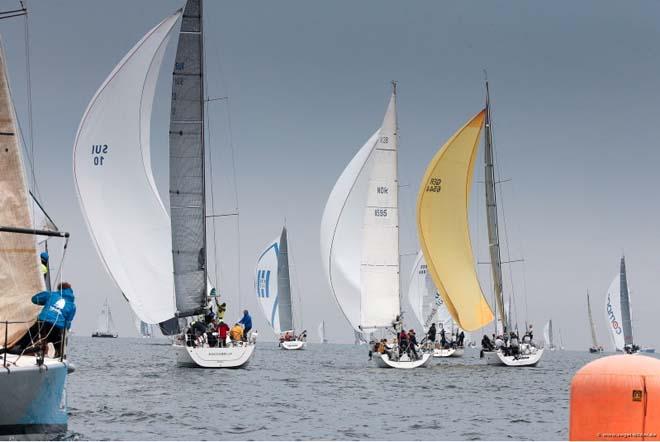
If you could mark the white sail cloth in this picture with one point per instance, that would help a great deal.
(613, 313)
(266, 284)
(427, 304)
(112, 170)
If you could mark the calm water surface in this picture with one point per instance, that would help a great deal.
(132, 389)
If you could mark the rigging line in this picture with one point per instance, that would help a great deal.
(213, 227)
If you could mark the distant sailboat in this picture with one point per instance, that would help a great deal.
(158, 261)
(322, 335)
(360, 239)
(145, 330)
(429, 308)
(595, 347)
(32, 381)
(272, 285)
(548, 336)
(106, 326)
(444, 234)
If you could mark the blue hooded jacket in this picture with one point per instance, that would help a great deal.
(246, 320)
(59, 307)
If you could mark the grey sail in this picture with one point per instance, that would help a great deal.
(625, 305)
(284, 284)
(187, 178)
(594, 341)
(491, 215)
(550, 334)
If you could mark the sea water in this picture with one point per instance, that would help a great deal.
(133, 389)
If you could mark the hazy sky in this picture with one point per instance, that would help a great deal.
(575, 100)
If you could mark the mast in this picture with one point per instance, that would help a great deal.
(187, 166)
(491, 215)
(625, 305)
(396, 185)
(591, 323)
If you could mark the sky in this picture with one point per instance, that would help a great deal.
(574, 95)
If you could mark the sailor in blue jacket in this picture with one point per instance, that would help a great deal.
(57, 314)
(246, 320)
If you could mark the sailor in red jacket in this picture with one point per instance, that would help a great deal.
(223, 329)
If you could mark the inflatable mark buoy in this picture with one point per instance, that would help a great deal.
(616, 398)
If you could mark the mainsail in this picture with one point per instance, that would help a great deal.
(626, 316)
(20, 277)
(117, 192)
(321, 331)
(187, 177)
(272, 284)
(442, 225)
(360, 232)
(548, 335)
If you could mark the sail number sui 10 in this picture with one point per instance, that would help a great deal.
(97, 151)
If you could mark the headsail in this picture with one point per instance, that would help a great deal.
(187, 186)
(442, 225)
(112, 160)
(272, 284)
(613, 313)
(20, 277)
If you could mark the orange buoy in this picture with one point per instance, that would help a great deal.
(616, 398)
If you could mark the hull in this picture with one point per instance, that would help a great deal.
(498, 358)
(214, 357)
(383, 361)
(448, 352)
(33, 397)
(292, 345)
(103, 335)
(648, 350)
(595, 350)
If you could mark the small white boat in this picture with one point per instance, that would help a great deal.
(292, 345)
(383, 361)
(237, 356)
(106, 326)
(448, 352)
(521, 360)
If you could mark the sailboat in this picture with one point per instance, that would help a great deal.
(145, 330)
(444, 235)
(273, 288)
(619, 315)
(322, 338)
(159, 261)
(32, 381)
(360, 239)
(595, 347)
(548, 336)
(429, 308)
(106, 326)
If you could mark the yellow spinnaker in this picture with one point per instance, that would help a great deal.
(444, 233)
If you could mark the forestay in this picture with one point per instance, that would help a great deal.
(20, 277)
(272, 285)
(116, 189)
(613, 313)
(442, 225)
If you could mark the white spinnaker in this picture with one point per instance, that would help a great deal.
(265, 284)
(116, 189)
(613, 313)
(379, 266)
(427, 305)
(341, 233)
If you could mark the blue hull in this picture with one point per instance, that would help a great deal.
(33, 398)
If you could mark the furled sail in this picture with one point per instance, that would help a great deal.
(272, 284)
(112, 170)
(187, 187)
(613, 313)
(20, 277)
(427, 304)
(341, 230)
(442, 224)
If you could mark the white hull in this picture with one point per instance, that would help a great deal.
(214, 357)
(448, 352)
(383, 361)
(527, 360)
(292, 345)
